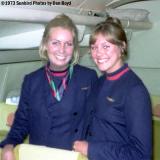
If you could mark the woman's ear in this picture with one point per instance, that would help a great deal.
(45, 51)
(124, 44)
(123, 48)
(45, 47)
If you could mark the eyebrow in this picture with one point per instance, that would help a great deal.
(71, 41)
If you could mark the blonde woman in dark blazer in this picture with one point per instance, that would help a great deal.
(52, 106)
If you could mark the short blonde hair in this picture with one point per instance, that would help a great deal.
(64, 22)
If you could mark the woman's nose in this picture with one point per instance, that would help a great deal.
(99, 51)
(62, 47)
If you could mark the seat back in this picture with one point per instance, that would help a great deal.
(156, 126)
(5, 111)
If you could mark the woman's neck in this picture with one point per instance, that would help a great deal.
(57, 68)
(115, 68)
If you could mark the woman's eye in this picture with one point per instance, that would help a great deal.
(69, 44)
(93, 48)
(55, 43)
(105, 46)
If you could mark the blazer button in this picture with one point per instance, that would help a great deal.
(75, 113)
(90, 134)
(91, 112)
(76, 130)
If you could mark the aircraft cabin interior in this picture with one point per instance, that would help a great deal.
(21, 28)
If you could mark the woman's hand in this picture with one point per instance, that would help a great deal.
(81, 146)
(7, 153)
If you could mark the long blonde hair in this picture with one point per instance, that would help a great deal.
(64, 22)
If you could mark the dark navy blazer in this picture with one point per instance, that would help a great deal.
(47, 121)
(121, 127)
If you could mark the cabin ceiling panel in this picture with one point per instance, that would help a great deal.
(117, 3)
(93, 5)
(11, 28)
(34, 14)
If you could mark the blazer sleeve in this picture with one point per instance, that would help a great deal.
(20, 127)
(138, 127)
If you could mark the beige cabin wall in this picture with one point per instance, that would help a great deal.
(144, 48)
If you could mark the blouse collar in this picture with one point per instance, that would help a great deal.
(118, 73)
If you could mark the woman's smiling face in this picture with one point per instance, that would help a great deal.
(60, 48)
(106, 55)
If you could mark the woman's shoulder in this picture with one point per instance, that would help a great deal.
(35, 74)
(84, 69)
(83, 73)
(133, 78)
(135, 82)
